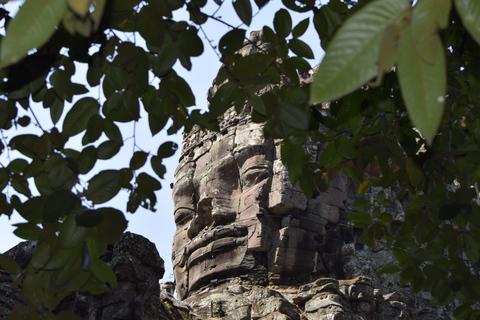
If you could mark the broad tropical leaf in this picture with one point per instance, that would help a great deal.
(33, 25)
(469, 11)
(351, 58)
(77, 118)
(423, 84)
(104, 186)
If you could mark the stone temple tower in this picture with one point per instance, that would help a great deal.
(249, 245)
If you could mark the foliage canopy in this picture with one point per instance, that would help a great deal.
(402, 80)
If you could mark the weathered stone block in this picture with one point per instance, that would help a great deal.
(320, 208)
(270, 305)
(283, 201)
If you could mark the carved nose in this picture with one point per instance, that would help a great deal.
(222, 212)
(202, 219)
(194, 228)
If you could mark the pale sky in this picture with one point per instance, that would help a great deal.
(159, 226)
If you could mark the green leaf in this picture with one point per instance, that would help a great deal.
(224, 98)
(423, 84)
(282, 22)
(251, 65)
(189, 43)
(43, 146)
(56, 110)
(346, 148)
(300, 28)
(166, 57)
(33, 25)
(104, 273)
(62, 84)
(351, 57)
(167, 149)
(27, 231)
(414, 172)
(449, 211)
(150, 26)
(300, 48)
(88, 218)
(360, 219)
(112, 226)
(25, 144)
(80, 7)
(362, 204)
(388, 269)
(294, 116)
(112, 131)
(261, 3)
(469, 11)
(108, 149)
(423, 25)
(71, 235)
(243, 8)
(4, 178)
(138, 160)
(31, 211)
(308, 182)
(94, 127)
(104, 186)
(59, 204)
(257, 103)
(158, 167)
(293, 156)
(231, 42)
(18, 165)
(180, 88)
(87, 159)
(463, 312)
(77, 118)
(9, 264)
(148, 183)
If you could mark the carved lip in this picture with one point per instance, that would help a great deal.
(204, 238)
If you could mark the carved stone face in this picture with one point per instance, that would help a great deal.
(238, 216)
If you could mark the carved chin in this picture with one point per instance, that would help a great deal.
(217, 253)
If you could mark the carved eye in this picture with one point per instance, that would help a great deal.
(254, 176)
(183, 215)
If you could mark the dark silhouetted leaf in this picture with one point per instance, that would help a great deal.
(300, 48)
(112, 226)
(148, 183)
(77, 118)
(231, 42)
(138, 160)
(108, 149)
(27, 231)
(243, 8)
(158, 167)
(360, 219)
(87, 159)
(300, 28)
(167, 149)
(104, 186)
(9, 264)
(282, 23)
(59, 204)
(88, 218)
